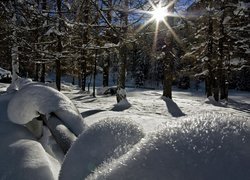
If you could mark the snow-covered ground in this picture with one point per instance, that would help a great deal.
(191, 137)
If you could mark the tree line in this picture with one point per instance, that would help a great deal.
(207, 40)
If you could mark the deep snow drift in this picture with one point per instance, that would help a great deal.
(183, 138)
(35, 99)
(209, 146)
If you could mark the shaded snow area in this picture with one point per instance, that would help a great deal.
(145, 137)
(4, 73)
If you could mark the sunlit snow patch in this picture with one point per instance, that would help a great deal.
(102, 141)
(210, 146)
(34, 99)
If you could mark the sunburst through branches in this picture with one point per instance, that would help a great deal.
(159, 14)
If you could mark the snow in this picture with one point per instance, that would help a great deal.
(188, 137)
(36, 99)
(107, 139)
(210, 146)
(4, 73)
(23, 157)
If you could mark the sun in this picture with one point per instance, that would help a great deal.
(159, 13)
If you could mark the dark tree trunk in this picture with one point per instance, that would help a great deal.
(42, 78)
(37, 69)
(121, 93)
(58, 75)
(84, 74)
(222, 72)
(85, 40)
(59, 47)
(168, 63)
(107, 59)
(94, 74)
(210, 77)
(106, 71)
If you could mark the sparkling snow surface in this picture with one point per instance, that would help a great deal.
(189, 137)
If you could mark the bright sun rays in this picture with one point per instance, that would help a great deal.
(158, 14)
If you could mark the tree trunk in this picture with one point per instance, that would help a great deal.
(168, 64)
(222, 73)
(59, 47)
(14, 48)
(85, 40)
(42, 78)
(210, 77)
(37, 69)
(107, 59)
(94, 74)
(121, 93)
(106, 71)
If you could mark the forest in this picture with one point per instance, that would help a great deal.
(195, 41)
(124, 89)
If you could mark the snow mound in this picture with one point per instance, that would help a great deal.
(122, 105)
(4, 100)
(35, 99)
(209, 146)
(22, 157)
(104, 140)
(19, 83)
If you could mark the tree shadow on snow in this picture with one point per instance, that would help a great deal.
(91, 112)
(173, 108)
(240, 106)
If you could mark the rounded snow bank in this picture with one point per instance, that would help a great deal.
(22, 157)
(35, 99)
(206, 147)
(102, 141)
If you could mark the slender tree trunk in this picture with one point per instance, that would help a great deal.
(106, 71)
(222, 73)
(59, 47)
(37, 68)
(85, 40)
(94, 74)
(168, 64)
(210, 77)
(121, 93)
(14, 48)
(106, 65)
(42, 78)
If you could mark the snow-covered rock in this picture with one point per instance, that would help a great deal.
(104, 140)
(208, 146)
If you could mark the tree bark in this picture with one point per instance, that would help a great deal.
(42, 78)
(59, 47)
(85, 40)
(210, 77)
(106, 71)
(14, 48)
(222, 73)
(168, 64)
(121, 93)
(107, 59)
